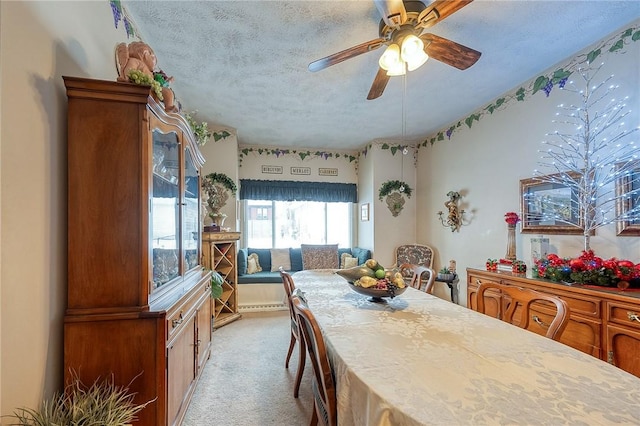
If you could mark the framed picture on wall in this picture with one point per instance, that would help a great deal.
(549, 207)
(628, 202)
(364, 212)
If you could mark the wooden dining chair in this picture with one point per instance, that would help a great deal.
(418, 275)
(289, 287)
(520, 300)
(325, 409)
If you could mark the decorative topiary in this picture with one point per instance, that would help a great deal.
(217, 187)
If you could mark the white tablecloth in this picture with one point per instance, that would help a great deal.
(421, 360)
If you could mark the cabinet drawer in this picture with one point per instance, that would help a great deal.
(581, 304)
(622, 314)
(184, 309)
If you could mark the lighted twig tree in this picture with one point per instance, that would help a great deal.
(591, 150)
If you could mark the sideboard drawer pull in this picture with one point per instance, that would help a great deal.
(633, 316)
(177, 322)
(538, 321)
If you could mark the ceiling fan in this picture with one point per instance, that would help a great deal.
(401, 29)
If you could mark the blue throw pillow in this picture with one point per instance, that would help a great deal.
(242, 261)
(361, 254)
(295, 254)
(264, 256)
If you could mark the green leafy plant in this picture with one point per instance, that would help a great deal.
(444, 271)
(102, 403)
(224, 180)
(394, 186)
(216, 284)
(202, 132)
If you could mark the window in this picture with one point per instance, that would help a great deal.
(282, 224)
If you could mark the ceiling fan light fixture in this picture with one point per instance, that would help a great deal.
(390, 59)
(398, 69)
(417, 60)
(412, 52)
(411, 45)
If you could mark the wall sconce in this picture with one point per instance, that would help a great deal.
(455, 216)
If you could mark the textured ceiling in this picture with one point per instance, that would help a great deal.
(243, 64)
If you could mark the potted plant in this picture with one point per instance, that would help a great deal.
(216, 284)
(103, 403)
(445, 274)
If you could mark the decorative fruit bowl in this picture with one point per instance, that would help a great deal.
(376, 295)
(372, 279)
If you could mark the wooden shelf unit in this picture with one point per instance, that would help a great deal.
(603, 322)
(138, 301)
(219, 251)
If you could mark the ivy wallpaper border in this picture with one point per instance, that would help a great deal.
(543, 83)
(300, 154)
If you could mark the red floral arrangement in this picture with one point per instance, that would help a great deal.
(587, 269)
(511, 218)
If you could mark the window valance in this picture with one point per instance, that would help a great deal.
(286, 190)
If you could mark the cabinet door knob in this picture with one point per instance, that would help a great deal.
(633, 316)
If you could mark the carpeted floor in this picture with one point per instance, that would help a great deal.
(244, 383)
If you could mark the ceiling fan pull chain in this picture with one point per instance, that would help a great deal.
(404, 124)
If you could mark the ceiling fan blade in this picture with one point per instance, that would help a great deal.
(449, 52)
(379, 84)
(393, 12)
(438, 10)
(336, 58)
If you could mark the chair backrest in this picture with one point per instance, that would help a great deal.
(521, 299)
(324, 391)
(416, 254)
(418, 275)
(289, 287)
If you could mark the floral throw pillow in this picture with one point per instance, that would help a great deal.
(253, 264)
(319, 256)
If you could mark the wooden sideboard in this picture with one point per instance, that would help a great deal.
(604, 322)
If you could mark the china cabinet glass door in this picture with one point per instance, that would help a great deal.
(165, 208)
(191, 212)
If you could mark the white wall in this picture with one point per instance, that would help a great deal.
(40, 42)
(391, 231)
(366, 195)
(221, 158)
(485, 164)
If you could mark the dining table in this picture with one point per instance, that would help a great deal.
(416, 359)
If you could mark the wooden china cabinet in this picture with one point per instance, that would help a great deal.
(138, 302)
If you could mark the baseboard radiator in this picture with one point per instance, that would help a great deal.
(262, 307)
(261, 297)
